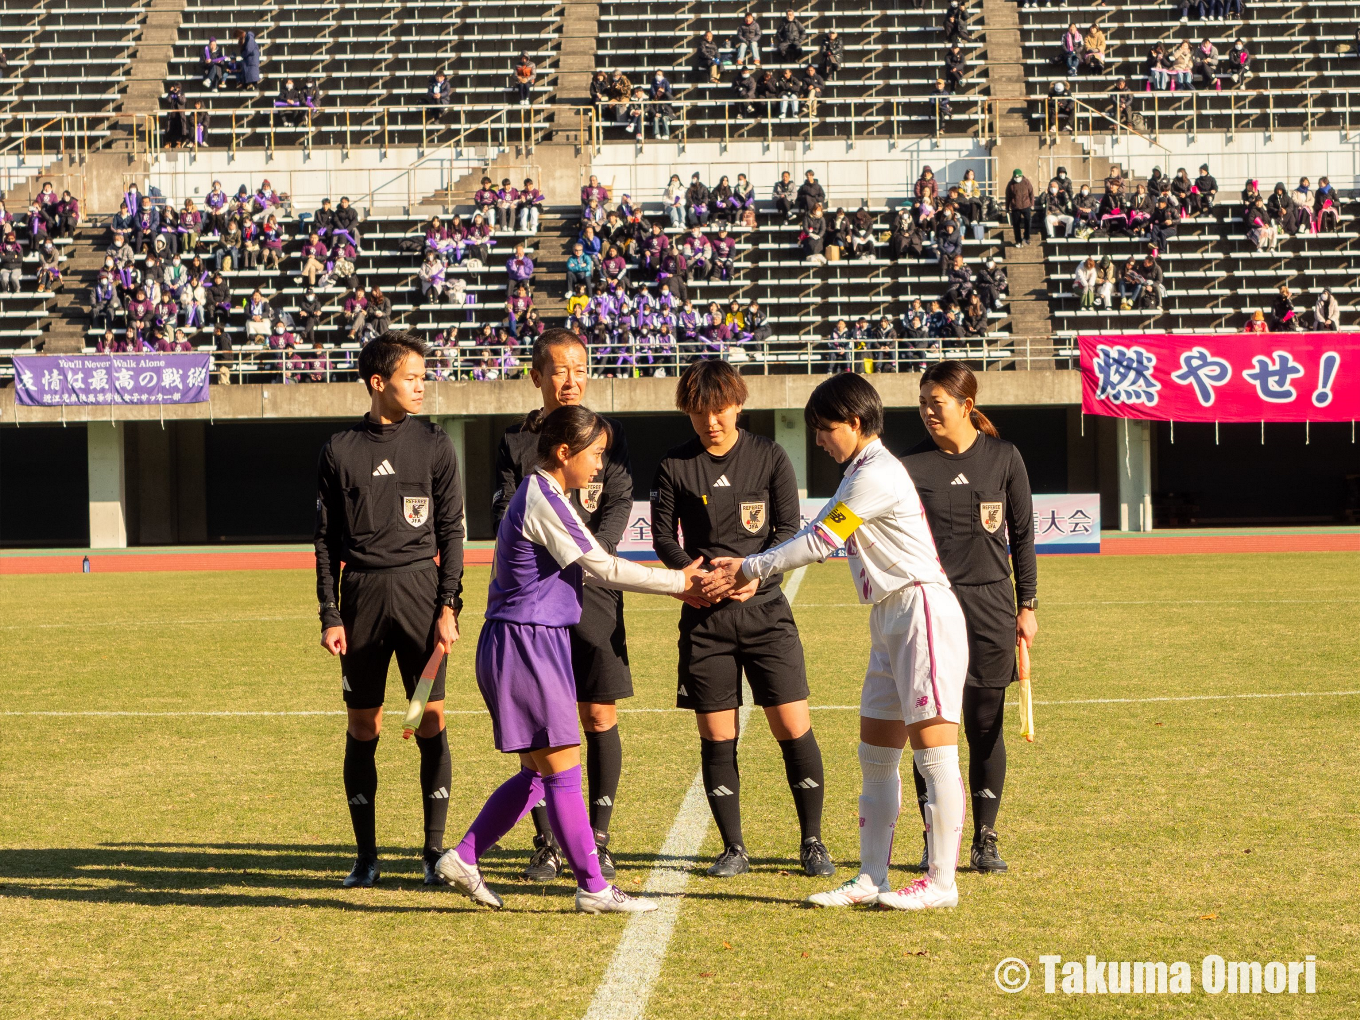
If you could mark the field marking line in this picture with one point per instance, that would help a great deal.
(626, 987)
(1135, 602)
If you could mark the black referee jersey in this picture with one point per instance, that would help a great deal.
(968, 497)
(739, 504)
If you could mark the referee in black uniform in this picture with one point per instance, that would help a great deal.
(388, 499)
(599, 645)
(971, 484)
(735, 494)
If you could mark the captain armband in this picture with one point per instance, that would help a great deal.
(841, 521)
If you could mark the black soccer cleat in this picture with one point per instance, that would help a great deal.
(364, 875)
(984, 856)
(430, 859)
(925, 853)
(546, 863)
(607, 869)
(817, 862)
(731, 862)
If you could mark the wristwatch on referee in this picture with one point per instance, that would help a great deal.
(1030, 604)
(454, 602)
(325, 607)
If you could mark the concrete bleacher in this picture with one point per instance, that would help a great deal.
(1304, 70)
(893, 52)
(372, 62)
(1214, 277)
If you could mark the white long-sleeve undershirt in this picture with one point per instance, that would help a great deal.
(607, 571)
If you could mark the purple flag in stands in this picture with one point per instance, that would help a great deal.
(111, 379)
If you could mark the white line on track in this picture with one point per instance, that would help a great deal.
(632, 972)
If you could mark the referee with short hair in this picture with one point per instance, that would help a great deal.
(388, 499)
(732, 493)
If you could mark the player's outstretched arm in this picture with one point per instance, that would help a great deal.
(609, 571)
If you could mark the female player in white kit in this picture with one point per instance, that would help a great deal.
(918, 657)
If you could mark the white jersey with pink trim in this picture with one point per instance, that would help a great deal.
(876, 514)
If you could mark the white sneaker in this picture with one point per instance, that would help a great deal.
(860, 890)
(467, 879)
(920, 895)
(612, 900)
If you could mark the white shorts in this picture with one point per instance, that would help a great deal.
(918, 656)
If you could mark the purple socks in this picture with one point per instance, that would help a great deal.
(566, 814)
(571, 825)
(502, 811)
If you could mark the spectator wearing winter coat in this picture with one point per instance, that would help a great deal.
(519, 268)
(1084, 282)
(1284, 317)
(814, 232)
(1058, 212)
(11, 263)
(748, 39)
(214, 66)
(788, 39)
(347, 223)
(439, 92)
(1206, 59)
(248, 59)
(927, 188)
(788, 94)
(523, 74)
(955, 65)
(1093, 50)
(697, 200)
(1326, 312)
(810, 194)
(1239, 63)
(1071, 49)
(1206, 190)
(831, 54)
(580, 270)
(530, 206)
(708, 57)
(662, 96)
(991, 283)
(1020, 206)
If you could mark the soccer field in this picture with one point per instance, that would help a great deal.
(174, 828)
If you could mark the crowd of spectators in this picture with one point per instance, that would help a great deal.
(50, 216)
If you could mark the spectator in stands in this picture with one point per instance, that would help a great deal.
(788, 39)
(1058, 211)
(1084, 282)
(41, 223)
(955, 24)
(747, 41)
(1020, 206)
(11, 263)
(1156, 67)
(813, 236)
(1206, 63)
(439, 91)
(1239, 62)
(744, 86)
(926, 187)
(1182, 63)
(530, 206)
(520, 269)
(580, 271)
(948, 238)
(1085, 212)
(1284, 213)
(289, 101)
(247, 60)
(955, 67)
(697, 199)
(1205, 191)
(991, 283)
(1260, 231)
(788, 94)
(1061, 108)
(1326, 312)
(66, 214)
(1122, 106)
(1284, 316)
(1106, 276)
(635, 112)
(524, 74)
(1325, 216)
(707, 57)
(1093, 50)
(786, 198)
(259, 315)
(940, 95)
(1063, 182)
(507, 202)
(1182, 189)
(1257, 324)
(214, 66)
(662, 96)
(811, 85)
(810, 193)
(831, 54)
(593, 190)
(959, 281)
(1162, 225)
(1071, 49)
(970, 197)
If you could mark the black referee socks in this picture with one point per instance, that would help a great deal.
(436, 776)
(983, 715)
(722, 783)
(807, 782)
(361, 789)
(604, 763)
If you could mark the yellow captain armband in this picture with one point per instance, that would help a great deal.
(841, 521)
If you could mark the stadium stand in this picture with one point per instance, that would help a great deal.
(67, 56)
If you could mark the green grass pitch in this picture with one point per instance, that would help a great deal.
(174, 862)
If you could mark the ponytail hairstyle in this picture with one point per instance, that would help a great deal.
(957, 379)
(571, 425)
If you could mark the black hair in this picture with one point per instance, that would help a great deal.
(571, 425)
(383, 355)
(541, 359)
(845, 398)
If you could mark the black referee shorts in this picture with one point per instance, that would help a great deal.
(386, 612)
(989, 611)
(599, 647)
(718, 644)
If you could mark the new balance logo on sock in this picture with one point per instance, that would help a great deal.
(440, 794)
(959, 479)
(807, 784)
(722, 483)
(603, 802)
(384, 468)
(359, 800)
(721, 791)
(988, 794)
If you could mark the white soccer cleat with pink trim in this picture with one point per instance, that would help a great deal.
(922, 894)
(612, 900)
(859, 891)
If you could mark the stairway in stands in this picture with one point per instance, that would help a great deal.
(69, 317)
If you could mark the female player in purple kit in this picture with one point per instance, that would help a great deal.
(543, 554)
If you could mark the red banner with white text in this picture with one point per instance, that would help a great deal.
(1227, 377)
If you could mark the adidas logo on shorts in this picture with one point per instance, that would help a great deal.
(807, 784)
(385, 468)
(440, 794)
(359, 800)
(721, 791)
(959, 479)
(344, 684)
(683, 691)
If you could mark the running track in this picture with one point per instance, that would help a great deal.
(107, 561)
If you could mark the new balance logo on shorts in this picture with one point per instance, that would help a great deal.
(922, 701)
(359, 800)
(440, 794)
(959, 479)
(603, 802)
(385, 468)
(722, 483)
(721, 791)
(808, 784)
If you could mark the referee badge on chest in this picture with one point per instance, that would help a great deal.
(753, 516)
(590, 496)
(990, 513)
(416, 509)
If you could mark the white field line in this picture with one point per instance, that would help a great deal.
(662, 711)
(632, 972)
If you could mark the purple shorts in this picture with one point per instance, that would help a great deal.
(524, 673)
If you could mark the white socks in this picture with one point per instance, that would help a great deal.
(945, 805)
(879, 806)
